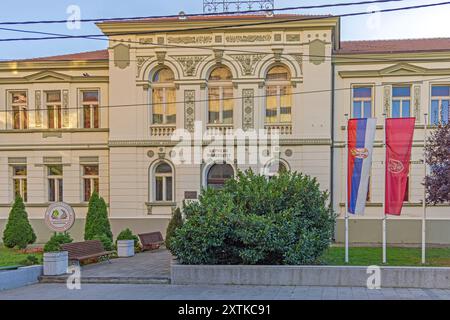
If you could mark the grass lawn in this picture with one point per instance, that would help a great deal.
(436, 257)
(12, 257)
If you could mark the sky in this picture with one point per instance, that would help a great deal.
(419, 23)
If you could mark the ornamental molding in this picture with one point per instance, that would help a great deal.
(189, 64)
(387, 100)
(190, 40)
(251, 38)
(248, 99)
(397, 70)
(298, 57)
(161, 56)
(163, 143)
(189, 110)
(65, 106)
(140, 63)
(247, 62)
(416, 102)
(38, 105)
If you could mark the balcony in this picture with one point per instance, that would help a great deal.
(219, 129)
(282, 128)
(162, 130)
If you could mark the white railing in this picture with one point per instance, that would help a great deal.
(219, 129)
(162, 130)
(283, 129)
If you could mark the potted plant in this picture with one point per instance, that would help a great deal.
(55, 260)
(126, 243)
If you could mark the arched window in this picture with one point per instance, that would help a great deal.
(278, 95)
(163, 97)
(163, 182)
(275, 168)
(220, 96)
(218, 174)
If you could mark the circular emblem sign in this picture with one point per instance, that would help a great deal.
(360, 153)
(395, 166)
(59, 217)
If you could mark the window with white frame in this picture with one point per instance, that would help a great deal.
(163, 97)
(401, 101)
(163, 183)
(54, 112)
(55, 183)
(440, 104)
(220, 96)
(19, 178)
(90, 105)
(362, 102)
(19, 109)
(90, 181)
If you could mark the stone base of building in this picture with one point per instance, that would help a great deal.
(399, 231)
(137, 225)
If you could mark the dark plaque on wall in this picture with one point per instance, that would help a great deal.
(190, 195)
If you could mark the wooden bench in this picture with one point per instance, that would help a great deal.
(80, 251)
(151, 241)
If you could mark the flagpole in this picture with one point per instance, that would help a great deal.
(346, 189)
(424, 203)
(384, 193)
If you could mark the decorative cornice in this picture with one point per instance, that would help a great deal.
(48, 76)
(398, 70)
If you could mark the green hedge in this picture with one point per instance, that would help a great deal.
(256, 220)
(18, 231)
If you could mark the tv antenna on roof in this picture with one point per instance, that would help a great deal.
(224, 6)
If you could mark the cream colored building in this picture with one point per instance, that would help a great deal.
(104, 120)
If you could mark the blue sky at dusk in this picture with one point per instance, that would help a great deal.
(429, 22)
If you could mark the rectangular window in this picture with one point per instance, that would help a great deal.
(19, 107)
(278, 104)
(20, 181)
(440, 102)
(55, 183)
(164, 105)
(90, 109)
(54, 113)
(401, 102)
(90, 181)
(221, 105)
(362, 102)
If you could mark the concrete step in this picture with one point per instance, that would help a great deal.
(114, 280)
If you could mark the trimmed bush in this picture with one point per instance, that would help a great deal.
(256, 220)
(127, 234)
(55, 242)
(97, 222)
(175, 223)
(18, 232)
(106, 241)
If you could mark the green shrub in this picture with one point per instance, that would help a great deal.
(55, 242)
(127, 234)
(175, 223)
(97, 222)
(30, 261)
(255, 220)
(18, 231)
(106, 241)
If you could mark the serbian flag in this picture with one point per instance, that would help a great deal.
(361, 135)
(399, 139)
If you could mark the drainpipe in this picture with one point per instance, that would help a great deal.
(332, 140)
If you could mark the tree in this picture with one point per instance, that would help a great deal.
(175, 223)
(437, 157)
(97, 223)
(18, 231)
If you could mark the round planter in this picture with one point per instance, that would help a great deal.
(125, 248)
(56, 263)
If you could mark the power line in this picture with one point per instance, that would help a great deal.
(343, 4)
(235, 98)
(102, 36)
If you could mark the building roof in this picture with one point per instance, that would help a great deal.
(221, 17)
(82, 56)
(394, 46)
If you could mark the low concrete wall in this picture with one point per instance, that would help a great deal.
(391, 277)
(21, 277)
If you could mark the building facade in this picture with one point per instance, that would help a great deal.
(105, 121)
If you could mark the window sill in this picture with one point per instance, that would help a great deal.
(62, 130)
(162, 130)
(151, 205)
